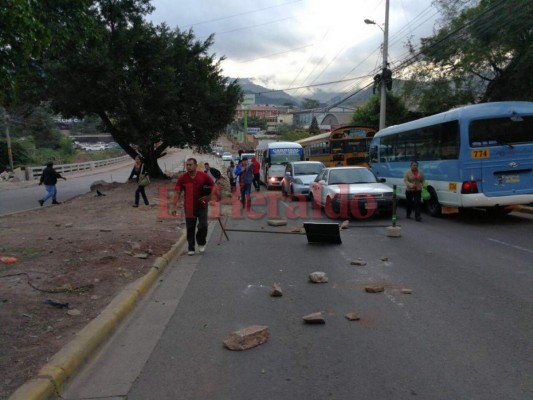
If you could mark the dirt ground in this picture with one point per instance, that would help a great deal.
(80, 253)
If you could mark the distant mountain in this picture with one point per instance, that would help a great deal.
(265, 96)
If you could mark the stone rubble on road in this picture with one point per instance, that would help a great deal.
(318, 277)
(247, 338)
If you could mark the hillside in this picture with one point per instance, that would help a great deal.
(268, 96)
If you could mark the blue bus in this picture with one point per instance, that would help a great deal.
(477, 156)
(273, 157)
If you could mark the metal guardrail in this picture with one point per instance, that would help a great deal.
(35, 172)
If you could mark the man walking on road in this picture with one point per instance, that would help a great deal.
(49, 177)
(199, 188)
(256, 167)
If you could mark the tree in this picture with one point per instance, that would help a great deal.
(40, 125)
(152, 87)
(19, 37)
(368, 115)
(314, 129)
(19, 153)
(309, 104)
(484, 50)
(293, 136)
(28, 30)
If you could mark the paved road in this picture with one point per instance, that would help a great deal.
(464, 333)
(25, 195)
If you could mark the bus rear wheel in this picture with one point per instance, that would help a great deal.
(432, 205)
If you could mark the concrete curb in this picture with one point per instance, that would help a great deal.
(71, 357)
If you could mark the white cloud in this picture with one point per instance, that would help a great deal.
(289, 43)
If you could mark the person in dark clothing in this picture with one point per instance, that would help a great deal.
(256, 168)
(49, 177)
(138, 172)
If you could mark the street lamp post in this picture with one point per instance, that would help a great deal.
(383, 104)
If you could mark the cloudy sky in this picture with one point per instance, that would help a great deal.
(306, 44)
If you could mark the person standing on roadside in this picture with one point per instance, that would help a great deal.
(138, 172)
(414, 181)
(246, 179)
(256, 167)
(229, 174)
(198, 188)
(49, 177)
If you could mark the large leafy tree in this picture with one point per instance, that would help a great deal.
(19, 38)
(368, 114)
(484, 50)
(30, 29)
(153, 87)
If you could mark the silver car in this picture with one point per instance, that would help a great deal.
(298, 177)
(351, 192)
(227, 156)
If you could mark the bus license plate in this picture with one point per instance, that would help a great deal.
(512, 178)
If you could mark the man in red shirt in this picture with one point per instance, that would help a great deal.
(198, 187)
(256, 167)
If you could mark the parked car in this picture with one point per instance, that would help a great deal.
(227, 156)
(350, 191)
(298, 177)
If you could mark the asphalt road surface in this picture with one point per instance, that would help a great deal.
(464, 333)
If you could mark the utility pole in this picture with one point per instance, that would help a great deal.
(383, 105)
(8, 140)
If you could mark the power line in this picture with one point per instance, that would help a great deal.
(243, 13)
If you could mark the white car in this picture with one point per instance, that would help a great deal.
(227, 156)
(350, 191)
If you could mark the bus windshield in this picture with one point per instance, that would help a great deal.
(501, 131)
(284, 156)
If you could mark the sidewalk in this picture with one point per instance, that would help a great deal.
(64, 364)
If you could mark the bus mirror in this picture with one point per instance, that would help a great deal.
(382, 180)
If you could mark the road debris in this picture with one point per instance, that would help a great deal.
(55, 304)
(352, 316)
(276, 290)
(358, 261)
(314, 318)
(318, 277)
(277, 222)
(374, 289)
(247, 338)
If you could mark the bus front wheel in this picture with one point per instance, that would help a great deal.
(432, 205)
